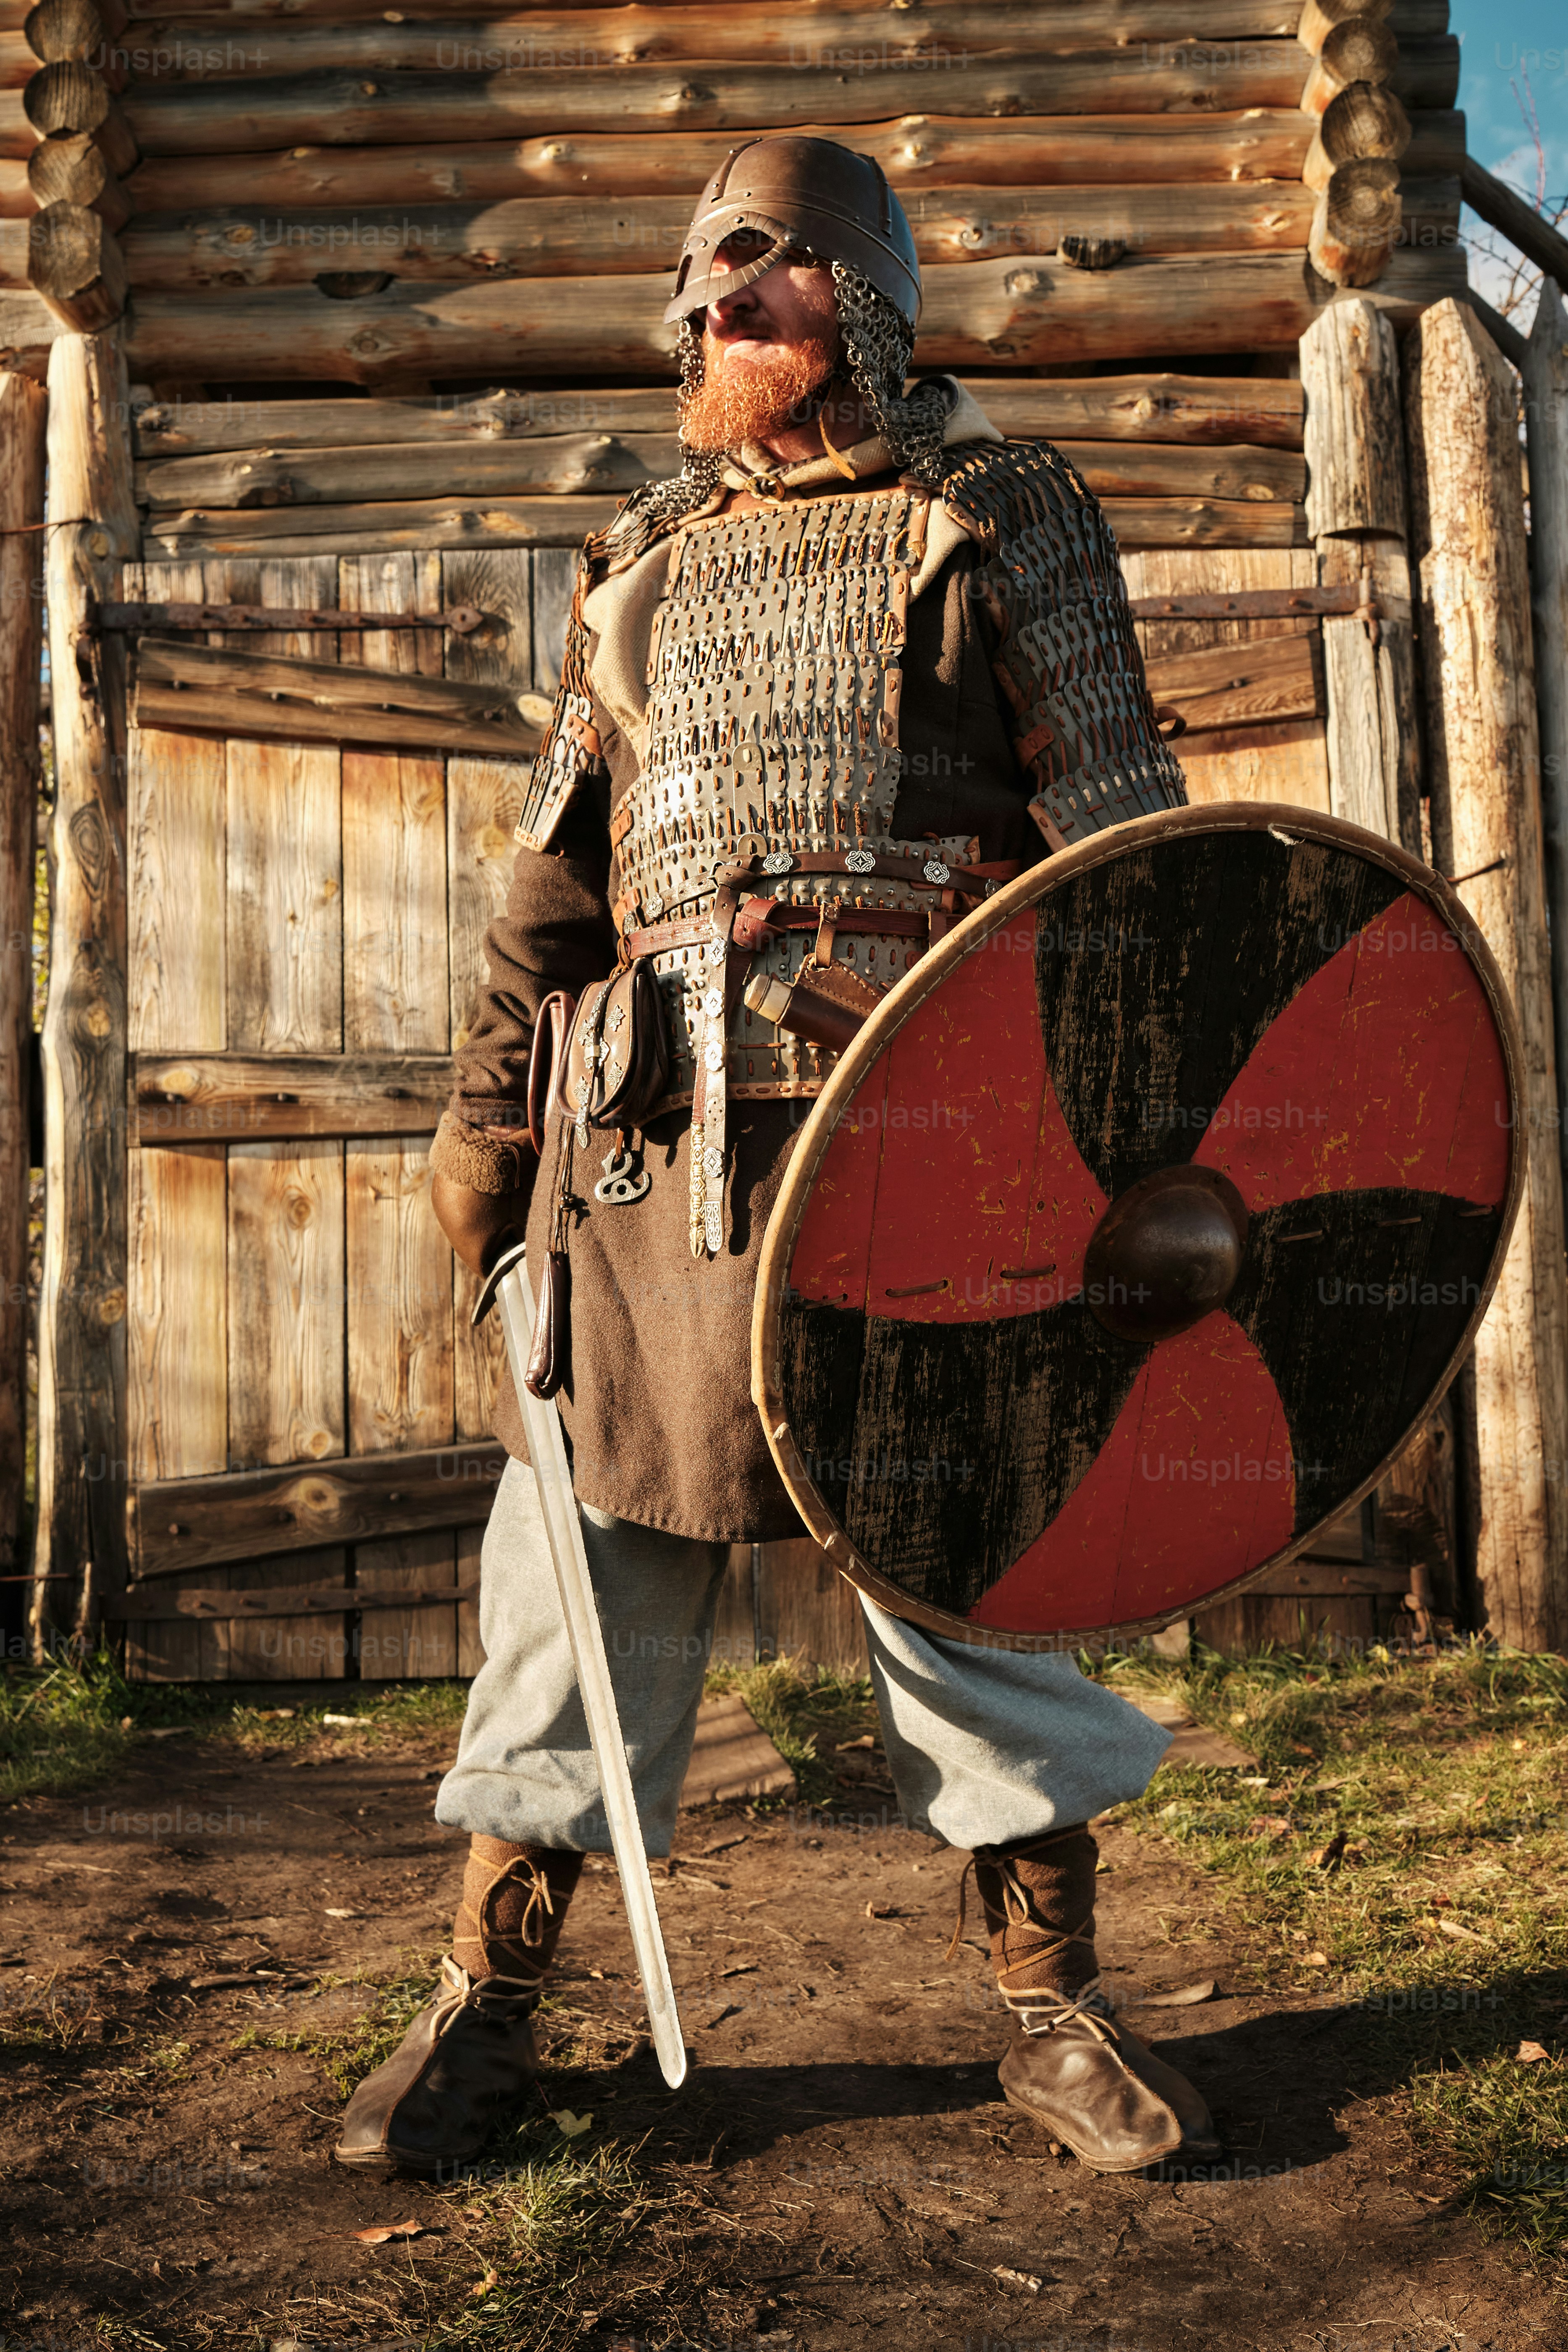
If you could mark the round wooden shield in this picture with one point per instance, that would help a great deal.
(1139, 1225)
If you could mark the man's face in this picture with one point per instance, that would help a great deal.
(765, 349)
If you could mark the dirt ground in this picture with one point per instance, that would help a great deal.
(840, 2170)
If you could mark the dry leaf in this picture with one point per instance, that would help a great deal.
(1531, 2054)
(1030, 2284)
(1268, 1825)
(569, 2126)
(344, 1915)
(1328, 1857)
(882, 1910)
(1316, 1960)
(383, 2231)
(1185, 1996)
(865, 1741)
(1460, 1934)
(342, 1722)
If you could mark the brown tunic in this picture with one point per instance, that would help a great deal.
(657, 1403)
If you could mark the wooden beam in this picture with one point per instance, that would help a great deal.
(76, 265)
(181, 1523)
(212, 690)
(791, 37)
(143, 1606)
(239, 1098)
(1311, 1579)
(1367, 118)
(1028, 313)
(542, 236)
(29, 331)
(1545, 387)
(1358, 517)
(577, 463)
(76, 30)
(1357, 50)
(1503, 332)
(1483, 744)
(73, 98)
(70, 168)
(1356, 222)
(1320, 17)
(1264, 411)
(1265, 680)
(82, 1448)
(22, 410)
(566, 522)
(342, 109)
(1513, 218)
(1080, 22)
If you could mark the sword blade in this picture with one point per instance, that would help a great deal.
(547, 1453)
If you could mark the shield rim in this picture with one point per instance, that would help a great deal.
(906, 997)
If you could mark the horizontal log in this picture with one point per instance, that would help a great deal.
(1320, 17)
(374, 109)
(916, 151)
(66, 98)
(16, 198)
(565, 523)
(1356, 222)
(238, 1097)
(1031, 313)
(177, 49)
(376, 529)
(70, 169)
(1122, 20)
(141, 1607)
(14, 252)
(75, 263)
(577, 463)
(1356, 50)
(1247, 684)
(213, 690)
(1367, 118)
(566, 237)
(1313, 1579)
(59, 29)
(1264, 410)
(181, 1523)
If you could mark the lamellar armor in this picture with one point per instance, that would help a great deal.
(773, 747)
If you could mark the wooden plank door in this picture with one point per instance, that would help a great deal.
(305, 919)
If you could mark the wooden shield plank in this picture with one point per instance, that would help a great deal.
(1256, 994)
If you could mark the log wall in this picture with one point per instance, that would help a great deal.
(330, 241)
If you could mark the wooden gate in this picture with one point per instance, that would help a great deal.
(306, 924)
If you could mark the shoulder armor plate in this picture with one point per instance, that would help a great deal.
(1084, 725)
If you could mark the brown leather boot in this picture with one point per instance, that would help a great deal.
(471, 2053)
(1072, 2065)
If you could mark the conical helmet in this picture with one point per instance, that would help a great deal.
(799, 192)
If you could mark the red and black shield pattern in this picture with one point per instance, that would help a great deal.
(1277, 998)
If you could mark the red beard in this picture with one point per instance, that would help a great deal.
(745, 399)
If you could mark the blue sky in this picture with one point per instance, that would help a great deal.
(1501, 45)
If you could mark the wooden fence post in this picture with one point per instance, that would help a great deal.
(22, 408)
(1545, 372)
(81, 1321)
(1468, 538)
(1356, 513)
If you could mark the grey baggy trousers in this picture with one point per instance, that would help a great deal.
(984, 1745)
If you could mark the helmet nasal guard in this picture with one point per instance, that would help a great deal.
(799, 192)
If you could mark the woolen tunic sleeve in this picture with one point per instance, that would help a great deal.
(555, 933)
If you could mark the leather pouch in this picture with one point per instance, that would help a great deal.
(617, 1058)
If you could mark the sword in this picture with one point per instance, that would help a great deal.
(507, 1286)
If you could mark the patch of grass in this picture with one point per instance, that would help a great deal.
(45, 2016)
(62, 1727)
(807, 1712)
(348, 2052)
(1403, 1854)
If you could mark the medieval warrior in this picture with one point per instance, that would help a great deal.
(858, 662)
